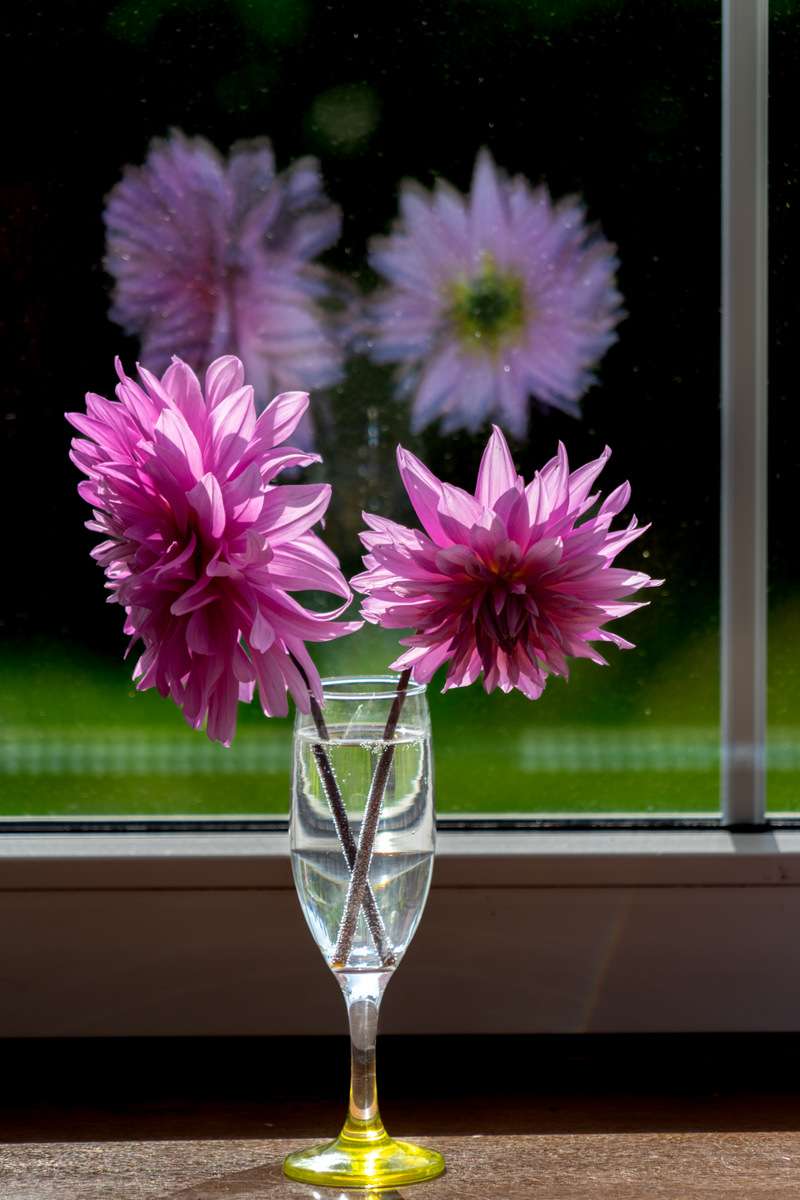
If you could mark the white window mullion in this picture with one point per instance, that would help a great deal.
(744, 410)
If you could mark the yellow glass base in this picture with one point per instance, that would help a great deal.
(364, 1156)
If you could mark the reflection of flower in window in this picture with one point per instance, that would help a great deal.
(493, 299)
(202, 546)
(212, 257)
(510, 582)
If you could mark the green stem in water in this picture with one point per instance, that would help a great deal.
(345, 834)
(359, 877)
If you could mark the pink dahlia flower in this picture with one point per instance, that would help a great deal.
(493, 299)
(511, 581)
(212, 257)
(202, 546)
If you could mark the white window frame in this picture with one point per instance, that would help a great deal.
(566, 929)
(743, 583)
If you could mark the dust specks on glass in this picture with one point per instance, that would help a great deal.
(463, 214)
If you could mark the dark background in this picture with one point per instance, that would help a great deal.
(619, 102)
(784, 420)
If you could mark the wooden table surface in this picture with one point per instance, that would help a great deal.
(600, 1166)
(618, 1127)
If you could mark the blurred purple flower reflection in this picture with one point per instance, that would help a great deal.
(492, 299)
(213, 256)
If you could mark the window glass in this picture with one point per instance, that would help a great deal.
(783, 697)
(615, 106)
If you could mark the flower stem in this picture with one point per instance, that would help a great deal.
(330, 786)
(359, 881)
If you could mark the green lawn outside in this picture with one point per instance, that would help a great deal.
(640, 736)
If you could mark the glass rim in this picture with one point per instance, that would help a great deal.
(368, 687)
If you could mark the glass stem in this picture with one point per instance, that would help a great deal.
(363, 992)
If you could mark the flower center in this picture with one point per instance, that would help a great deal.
(505, 615)
(487, 309)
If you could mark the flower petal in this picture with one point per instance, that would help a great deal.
(225, 375)
(292, 509)
(496, 474)
(425, 493)
(206, 500)
(280, 418)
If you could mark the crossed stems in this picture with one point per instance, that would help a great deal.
(359, 877)
(358, 858)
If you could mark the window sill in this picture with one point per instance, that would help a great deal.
(539, 932)
(531, 859)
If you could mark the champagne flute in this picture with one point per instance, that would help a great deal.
(362, 807)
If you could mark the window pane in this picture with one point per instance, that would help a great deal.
(783, 746)
(616, 105)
